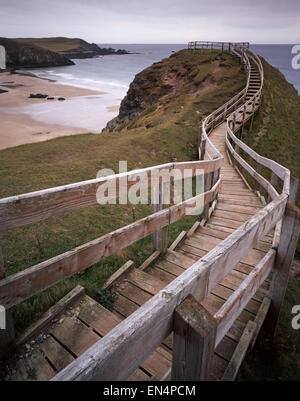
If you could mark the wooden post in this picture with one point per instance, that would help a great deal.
(203, 149)
(233, 122)
(194, 341)
(208, 180)
(252, 116)
(160, 236)
(285, 255)
(199, 143)
(258, 170)
(237, 149)
(273, 182)
(7, 335)
(243, 122)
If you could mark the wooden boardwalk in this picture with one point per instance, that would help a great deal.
(85, 323)
(191, 311)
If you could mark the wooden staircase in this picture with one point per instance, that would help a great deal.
(218, 281)
(86, 322)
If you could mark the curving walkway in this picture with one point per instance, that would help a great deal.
(85, 324)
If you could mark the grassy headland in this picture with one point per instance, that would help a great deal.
(166, 130)
(56, 44)
(163, 126)
(276, 135)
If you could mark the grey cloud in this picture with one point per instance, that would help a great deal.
(153, 20)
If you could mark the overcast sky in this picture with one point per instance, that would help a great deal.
(153, 21)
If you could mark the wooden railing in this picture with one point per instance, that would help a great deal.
(24, 209)
(125, 347)
(202, 44)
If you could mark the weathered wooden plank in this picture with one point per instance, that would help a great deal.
(137, 336)
(239, 353)
(20, 286)
(248, 210)
(147, 263)
(145, 281)
(179, 259)
(178, 241)
(170, 267)
(161, 274)
(260, 318)
(96, 316)
(74, 335)
(194, 338)
(259, 178)
(194, 227)
(68, 300)
(279, 170)
(210, 233)
(240, 298)
(35, 368)
(102, 320)
(119, 274)
(226, 348)
(224, 214)
(56, 353)
(225, 293)
(20, 210)
(134, 293)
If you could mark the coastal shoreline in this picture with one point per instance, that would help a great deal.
(17, 128)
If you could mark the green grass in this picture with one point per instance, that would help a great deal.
(276, 128)
(277, 359)
(165, 130)
(276, 134)
(55, 44)
(172, 136)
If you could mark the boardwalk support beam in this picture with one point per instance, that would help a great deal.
(194, 341)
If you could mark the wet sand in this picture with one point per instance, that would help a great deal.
(18, 128)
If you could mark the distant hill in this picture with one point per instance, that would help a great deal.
(50, 52)
(70, 47)
(28, 55)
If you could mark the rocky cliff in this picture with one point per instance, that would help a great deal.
(166, 81)
(23, 55)
(71, 47)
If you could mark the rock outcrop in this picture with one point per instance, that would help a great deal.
(161, 83)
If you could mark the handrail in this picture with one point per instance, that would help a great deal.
(198, 280)
(50, 272)
(24, 209)
(202, 44)
(280, 171)
(125, 347)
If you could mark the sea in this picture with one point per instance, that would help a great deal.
(112, 76)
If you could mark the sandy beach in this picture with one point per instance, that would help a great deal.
(17, 128)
